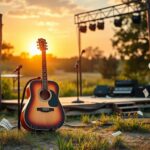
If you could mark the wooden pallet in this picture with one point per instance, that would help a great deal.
(126, 109)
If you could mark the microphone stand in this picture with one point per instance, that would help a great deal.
(18, 73)
(77, 83)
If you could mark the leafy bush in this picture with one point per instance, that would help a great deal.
(7, 92)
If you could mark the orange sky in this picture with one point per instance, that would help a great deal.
(24, 21)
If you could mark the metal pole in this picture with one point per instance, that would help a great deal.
(77, 83)
(18, 77)
(79, 46)
(148, 20)
(77, 69)
(80, 59)
(19, 99)
(0, 58)
(80, 74)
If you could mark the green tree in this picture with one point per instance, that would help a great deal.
(94, 56)
(108, 67)
(7, 50)
(132, 44)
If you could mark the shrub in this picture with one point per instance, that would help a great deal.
(85, 119)
(7, 92)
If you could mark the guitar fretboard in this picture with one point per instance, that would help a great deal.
(44, 71)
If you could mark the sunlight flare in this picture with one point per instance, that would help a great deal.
(33, 50)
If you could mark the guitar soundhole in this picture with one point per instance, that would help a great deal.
(44, 94)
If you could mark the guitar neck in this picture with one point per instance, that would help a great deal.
(44, 71)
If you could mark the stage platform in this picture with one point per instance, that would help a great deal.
(90, 105)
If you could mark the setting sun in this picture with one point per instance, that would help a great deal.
(33, 50)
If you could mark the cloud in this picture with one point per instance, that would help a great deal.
(5, 1)
(114, 1)
(22, 14)
(59, 7)
(53, 4)
(26, 9)
(47, 23)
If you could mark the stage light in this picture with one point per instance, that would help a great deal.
(100, 25)
(118, 22)
(136, 18)
(92, 26)
(83, 28)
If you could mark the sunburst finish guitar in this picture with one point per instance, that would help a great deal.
(43, 111)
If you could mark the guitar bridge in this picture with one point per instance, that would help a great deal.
(45, 109)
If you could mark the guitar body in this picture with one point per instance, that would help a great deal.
(43, 110)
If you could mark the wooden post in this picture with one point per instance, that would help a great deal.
(0, 57)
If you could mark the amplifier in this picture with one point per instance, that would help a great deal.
(138, 92)
(126, 83)
(101, 91)
(123, 91)
(124, 88)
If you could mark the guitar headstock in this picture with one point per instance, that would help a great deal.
(42, 44)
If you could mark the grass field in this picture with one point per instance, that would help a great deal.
(96, 136)
(67, 83)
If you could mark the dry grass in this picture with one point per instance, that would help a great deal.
(13, 138)
(130, 125)
(81, 140)
(74, 139)
(85, 119)
(118, 123)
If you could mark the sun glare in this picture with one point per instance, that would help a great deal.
(33, 50)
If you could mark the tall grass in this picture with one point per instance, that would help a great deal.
(64, 145)
(81, 140)
(86, 140)
(66, 82)
(85, 119)
(67, 88)
(7, 91)
(119, 143)
(13, 138)
(129, 124)
(118, 123)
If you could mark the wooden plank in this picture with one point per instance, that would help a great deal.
(144, 106)
(89, 100)
(128, 107)
(122, 103)
(129, 112)
(78, 113)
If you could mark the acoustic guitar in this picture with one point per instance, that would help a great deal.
(43, 111)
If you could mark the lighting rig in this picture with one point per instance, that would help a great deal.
(95, 19)
(97, 16)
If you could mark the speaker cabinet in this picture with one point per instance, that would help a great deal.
(101, 91)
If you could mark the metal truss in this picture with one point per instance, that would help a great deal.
(133, 6)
